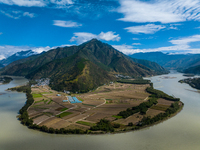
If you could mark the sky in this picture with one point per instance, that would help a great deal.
(130, 26)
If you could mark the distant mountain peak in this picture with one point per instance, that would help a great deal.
(17, 56)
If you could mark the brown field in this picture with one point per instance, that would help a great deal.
(104, 102)
(134, 119)
(164, 102)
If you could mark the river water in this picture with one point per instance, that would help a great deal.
(181, 132)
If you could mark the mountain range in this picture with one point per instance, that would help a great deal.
(188, 63)
(81, 68)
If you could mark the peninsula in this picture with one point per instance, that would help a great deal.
(116, 107)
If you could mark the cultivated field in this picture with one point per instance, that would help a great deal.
(105, 102)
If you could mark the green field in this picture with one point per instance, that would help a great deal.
(118, 117)
(86, 123)
(63, 109)
(50, 102)
(36, 95)
(63, 114)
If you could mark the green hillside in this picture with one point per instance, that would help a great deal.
(78, 68)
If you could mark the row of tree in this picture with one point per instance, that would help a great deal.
(160, 94)
(136, 81)
(105, 125)
(148, 120)
(142, 108)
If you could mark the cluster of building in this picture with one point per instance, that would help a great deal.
(122, 76)
(43, 81)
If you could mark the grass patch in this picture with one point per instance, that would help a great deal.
(45, 93)
(45, 101)
(36, 95)
(109, 99)
(63, 114)
(50, 102)
(86, 123)
(38, 101)
(63, 109)
(118, 117)
(80, 99)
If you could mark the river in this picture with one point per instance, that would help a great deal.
(182, 132)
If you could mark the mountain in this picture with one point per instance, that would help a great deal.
(1, 65)
(17, 56)
(193, 70)
(176, 61)
(78, 68)
(157, 57)
(152, 65)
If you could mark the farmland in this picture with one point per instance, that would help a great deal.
(82, 111)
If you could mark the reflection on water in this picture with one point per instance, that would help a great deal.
(180, 132)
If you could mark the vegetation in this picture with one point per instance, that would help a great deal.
(63, 109)
(140, 81)
(25, 120)
(142, 108)
(103, 125)
(86, 123)
(118, 117)
(193, 70)
(160, 94)
(36, 95)
(147, 120)
(193, 82)
(78, 68)
(5, 80)
(64, 114)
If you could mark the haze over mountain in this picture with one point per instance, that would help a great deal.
(82, 67)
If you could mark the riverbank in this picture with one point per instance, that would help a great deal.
(193, 82)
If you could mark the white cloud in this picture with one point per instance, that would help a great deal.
(146, 29)
(9, 15)
(67, 24)
(109, 36)
(81, 37)
(27, 3)
(31, 15)
(126, 49)
(186, 40)
(2, 57)
(9, 50)
(136, 43)
(135, 38)
(165, 11)
(37, 3)
(61, 2)
(17, 14)
(181, 45)
(1, 33)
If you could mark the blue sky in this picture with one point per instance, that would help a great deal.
(130, 26)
